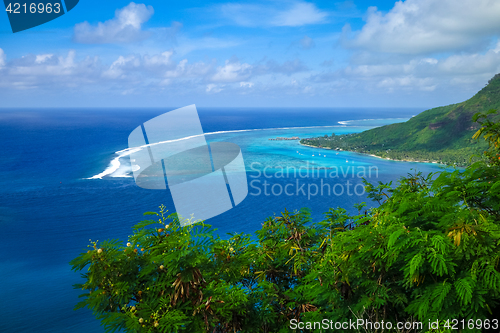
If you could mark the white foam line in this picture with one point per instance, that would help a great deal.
(223, 132)
(115, 162)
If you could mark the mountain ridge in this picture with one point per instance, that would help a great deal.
(442, 134)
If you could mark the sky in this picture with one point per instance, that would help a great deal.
(413, 53)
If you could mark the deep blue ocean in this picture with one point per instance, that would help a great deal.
(49, 207)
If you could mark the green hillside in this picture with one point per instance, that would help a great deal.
(442, 134)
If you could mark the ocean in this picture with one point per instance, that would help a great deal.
(65, 179)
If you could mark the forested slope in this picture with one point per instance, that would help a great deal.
(441, 134)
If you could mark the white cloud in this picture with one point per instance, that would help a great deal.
(301, 13)
(232, 71)
(163, 68)
(288, 67)
(2, 58)
(476, 64)
(125, 27)
(297, 13)
(306, 43)
(31, 66)
(154, 65)
(159, 68)
(246, 84)
(163, 59)
(121, 66)
(135, 73)
(41, 58)
(422, 66)
(420, 73)
(427, 26)
(186, 70)
(472, 63)
(214, 88)
(391, 83)
(44, 71)
(308, 90)
(128, 92)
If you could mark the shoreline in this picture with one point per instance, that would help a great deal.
(384, 158)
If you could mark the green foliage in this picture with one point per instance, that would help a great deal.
(491, 134)
(430, 251)
(442, 134)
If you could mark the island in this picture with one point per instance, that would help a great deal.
(442, 134)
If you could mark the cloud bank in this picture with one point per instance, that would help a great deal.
(2, 58)
(418, 49)
(125, 27)
(297, 13)
(427, 26)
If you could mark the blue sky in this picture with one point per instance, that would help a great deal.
(414, 53)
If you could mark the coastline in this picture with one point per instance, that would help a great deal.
(384, 158)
